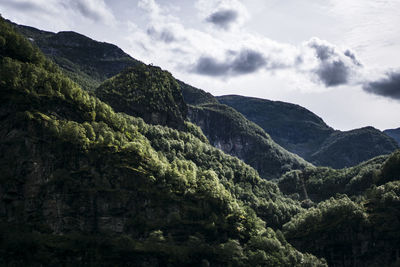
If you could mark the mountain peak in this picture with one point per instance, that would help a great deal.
(148, 92)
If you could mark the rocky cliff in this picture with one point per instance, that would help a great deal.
(228, 130)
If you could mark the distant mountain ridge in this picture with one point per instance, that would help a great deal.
(394, 133)
(304, 133)
(86, 61)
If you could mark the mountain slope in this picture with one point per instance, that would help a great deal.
(352, 147)
(291, 126)
(85, 61)
(304, 133)
(83, 185)
(146, 92)
(228, 130)
(394, 133)
(195, 96)
(362, 230)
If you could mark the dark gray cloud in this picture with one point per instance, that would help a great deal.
(388, 87)
(335, 67)
(248, 61)
(164, 35)
(244, 62)
(333, 73)
(211, 67)
(223, 18)
(323, 51)
(352, 56)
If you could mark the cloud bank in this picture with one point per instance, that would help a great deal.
(388, 86)
(246, 61)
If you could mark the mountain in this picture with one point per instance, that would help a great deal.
(230, 131)
(304, 133)
(132, 92)
(195, 96)
(345, 149)
(90, 63)
(358, 231)
(147, 92)
(85, 61)
(394, 133)
(84, 185)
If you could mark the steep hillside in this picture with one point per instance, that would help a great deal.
(394, 133)
(291, 126)
(344, 149)
(195, 96)
(85, 61)
(304, 133)
(359, 231)
(83, 185)
(321, 183)
(147, 92)
(228, 130)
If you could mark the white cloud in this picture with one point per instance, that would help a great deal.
(93, 9)
(370, 27)
(57, 14)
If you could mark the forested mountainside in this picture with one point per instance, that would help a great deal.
(132, 92)
(89, 63)
(82, 59)
(228, 130)
(362, 230)
(394, 133)
(147, 92)
(82, 184)
(304, 133)
(154, 95)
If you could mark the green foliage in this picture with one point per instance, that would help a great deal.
(291, 126)
(328, 216)
(346, 232)
(229, 130)
(353, 147)
(120, 189)
(147, 92)
(391, 168)
(85, 61)
(322, 183)
(195, 96)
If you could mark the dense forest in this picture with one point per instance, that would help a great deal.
(88, 182)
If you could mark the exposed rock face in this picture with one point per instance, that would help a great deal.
(228, 130)
(304, 133)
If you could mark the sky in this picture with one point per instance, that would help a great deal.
(339, 59)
